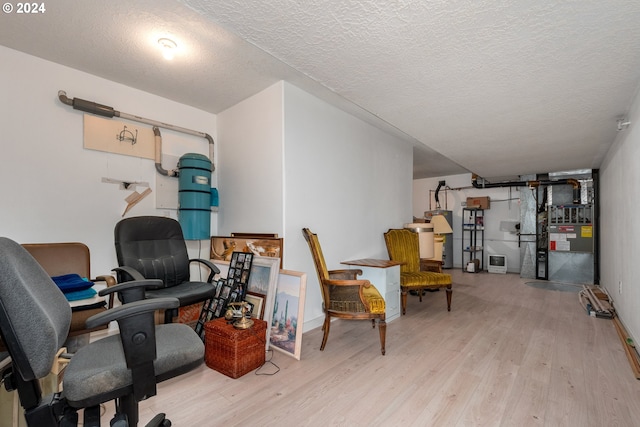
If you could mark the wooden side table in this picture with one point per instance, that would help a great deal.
(385, 275)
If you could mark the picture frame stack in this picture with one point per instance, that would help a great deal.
(261, 287)
(231, 289)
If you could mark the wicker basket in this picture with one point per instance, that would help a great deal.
(234, 352)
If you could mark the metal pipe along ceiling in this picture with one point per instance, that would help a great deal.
(531, 184)
(106, 111)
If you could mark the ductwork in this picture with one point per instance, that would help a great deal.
(437, 198)
(531, 184)
(106, 111)
(158, 155)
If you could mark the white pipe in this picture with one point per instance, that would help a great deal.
(158, 155)
(106, 111)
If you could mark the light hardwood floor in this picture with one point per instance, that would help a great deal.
(507, 354)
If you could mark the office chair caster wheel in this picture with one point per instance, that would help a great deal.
(159, 420)
(119, 420)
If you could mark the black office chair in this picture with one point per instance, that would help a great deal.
(149, 247)
(125, 367)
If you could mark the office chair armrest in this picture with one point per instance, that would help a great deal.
(131, 291)
(132, 272)
(110, 281)
(214, 270)
(132, 309)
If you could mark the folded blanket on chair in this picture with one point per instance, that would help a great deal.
(79, 295)
(72, 283)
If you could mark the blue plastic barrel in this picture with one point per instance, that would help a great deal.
(194, 196)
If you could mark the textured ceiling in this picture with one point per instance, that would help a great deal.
(499, 88)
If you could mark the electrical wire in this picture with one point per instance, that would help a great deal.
(269, 361)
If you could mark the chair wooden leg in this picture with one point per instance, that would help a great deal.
(449, 292)
(373, 323)
(403, 300)
(325, 328)
(382, 326)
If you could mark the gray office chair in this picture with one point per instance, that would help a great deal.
(125, 367)
(150, 247)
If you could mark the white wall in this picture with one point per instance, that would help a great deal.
(345, 180)
(51, 186)
(250, 175)
(620, 228)
(504, 207)
(311, 165)
(284, 160)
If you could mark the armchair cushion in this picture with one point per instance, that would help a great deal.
(424, 279)
(374, 300)
(345, 297)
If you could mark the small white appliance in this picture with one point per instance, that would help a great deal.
(497, 264)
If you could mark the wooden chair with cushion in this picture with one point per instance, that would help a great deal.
(344, 296)
(403, 246)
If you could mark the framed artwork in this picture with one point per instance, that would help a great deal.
(239, 272)
(222, 247)
(262, 283)
(228, 290)
(288, 313)
(256, 235)
(256, 302)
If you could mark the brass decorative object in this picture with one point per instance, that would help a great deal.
(243, 322)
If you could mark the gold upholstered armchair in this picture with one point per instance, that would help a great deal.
(403, 246)
(345, 297)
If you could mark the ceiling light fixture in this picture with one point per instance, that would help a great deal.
(168, 47)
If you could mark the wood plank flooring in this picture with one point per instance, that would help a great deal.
(507, 354)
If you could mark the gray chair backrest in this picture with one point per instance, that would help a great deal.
(34, 314)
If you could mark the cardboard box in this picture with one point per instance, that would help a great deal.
(478, 202)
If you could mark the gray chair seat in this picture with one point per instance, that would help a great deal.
(100, 369)
(187, 293)
(34, 323)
